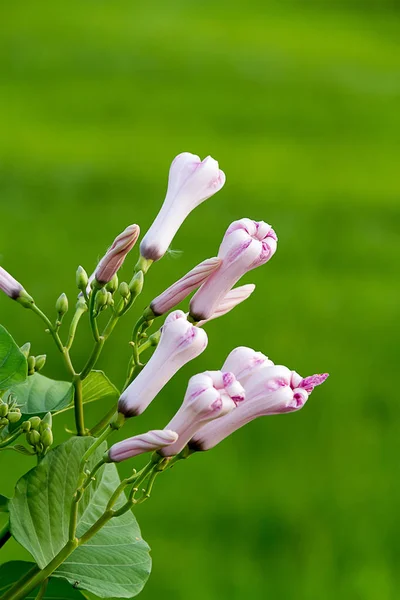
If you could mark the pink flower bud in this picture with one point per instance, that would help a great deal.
(9, 285)
(146, 442)
(231, 300)
(191, 181)
(209, 396)
(246, 245)
(115, 256)
(182, 288)
(245, 362)
(269, 391)
(180, 342)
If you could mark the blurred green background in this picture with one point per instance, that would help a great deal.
(299, 102)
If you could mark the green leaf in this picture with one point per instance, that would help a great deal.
(115, 562)
(57, 589)
(97, 386)
(13, 364)
(4, 503)
(39, 394)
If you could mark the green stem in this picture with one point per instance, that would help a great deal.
(52, 330)
(93, 358)
(42, 589)
(92, 317)
(79, 312)
(104, 421)
(78, 406)
(5, 534)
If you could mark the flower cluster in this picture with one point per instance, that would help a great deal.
(248, 385)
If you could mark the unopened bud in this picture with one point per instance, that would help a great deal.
(3, 422)
(26, 426)
(25, 349)
(101, 300)
(136, 285)
(33, 437)
(46, 437)
(47, 422)
(31, 365)
(62, 305)
(112, 285)
(35, 422)
(40, 362)
(124, 290)
(82, 279)
(14, 416)
(3, 409)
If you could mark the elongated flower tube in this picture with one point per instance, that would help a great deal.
(14, 289)
(191, 181)
(139, 444)
(115, 256)
(9, 285)
(180, 342)
(182, 288)
(270, 391)
(246, 245)
(209, 396)
(234, 297)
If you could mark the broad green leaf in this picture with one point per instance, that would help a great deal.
(39, 394)
(57, 589)
(4, 503)
(13, 364)
(115, 562)
(97, 386)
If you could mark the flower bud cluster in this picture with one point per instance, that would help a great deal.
(38, 433)
(9, 412)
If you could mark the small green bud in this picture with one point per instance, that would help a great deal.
(25, 349)
(62, 305)
(47, 422)
(14, 416)
(124, 290)
(101, 300)
(35, 422)
(46, 437)
(33, 437)
(40, 362)
(112, 285)
(26, 426)
(82, 279)
(3, 422)
(31, 365)
(3, 410)
(136, 285)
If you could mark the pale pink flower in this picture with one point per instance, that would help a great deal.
(145, 442)
(210, 395)
(234, 297)
(244, 362)
(246, 245)
(182, 288)
(269, 391)
(191, 181)
(115, 256)
(9, 285)
(180, 343)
